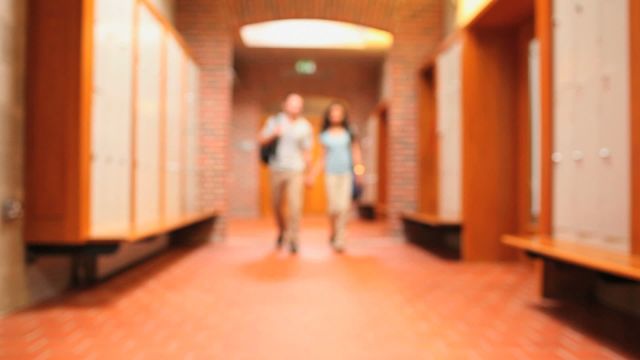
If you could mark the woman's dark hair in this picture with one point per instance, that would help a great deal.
(326, 124)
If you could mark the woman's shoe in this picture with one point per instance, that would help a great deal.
(279, 241)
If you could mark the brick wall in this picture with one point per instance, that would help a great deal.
(210, 26)
(12, 35)
(204, 25)
(264, 78)
(417, 31)
(244, 172)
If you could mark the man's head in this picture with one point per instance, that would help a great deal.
(293, 105)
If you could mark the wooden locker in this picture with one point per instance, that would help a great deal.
(449, 104)
(591, 171)
(173, 129)
(148, 120)
(613, 145)
(95, 145)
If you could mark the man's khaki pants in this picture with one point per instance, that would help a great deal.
(289, 185)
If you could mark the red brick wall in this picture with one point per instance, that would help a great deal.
(263, 81)
(244, 172)
(417, 31)
(203, 25)
(210, 26)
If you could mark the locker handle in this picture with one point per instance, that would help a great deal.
(604, 153)
(556, 157)
(577, 155)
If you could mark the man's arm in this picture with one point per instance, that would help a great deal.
(269, 132)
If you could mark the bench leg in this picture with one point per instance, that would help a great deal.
(83, 270)
(565, 281)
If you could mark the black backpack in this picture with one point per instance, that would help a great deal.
(268, 151)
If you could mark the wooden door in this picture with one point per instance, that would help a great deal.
(315, 198)
(383, 161)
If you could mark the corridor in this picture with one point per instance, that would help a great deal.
(382, 299)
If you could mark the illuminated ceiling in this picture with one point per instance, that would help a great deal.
(314, 34)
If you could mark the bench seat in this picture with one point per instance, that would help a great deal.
(590, 257)
(430, 220)
(437, 234)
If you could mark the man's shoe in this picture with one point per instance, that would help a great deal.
(293, 247)
(338, 247)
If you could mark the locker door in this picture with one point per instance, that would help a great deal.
(111, 118)
(612, 150)
(449, 131)
(192, 173)
(173, 136)
(150, 38)
(591, 176)
(575, 127)
(564, 87)
(584, 39)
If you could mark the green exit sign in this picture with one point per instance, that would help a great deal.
(306, 67)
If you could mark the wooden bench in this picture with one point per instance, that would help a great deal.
(609, 262)
(572, 270)
(439, 235)
(84, 257)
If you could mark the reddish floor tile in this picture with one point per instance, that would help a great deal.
(383, 299)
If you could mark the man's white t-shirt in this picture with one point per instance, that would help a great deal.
(296, 137)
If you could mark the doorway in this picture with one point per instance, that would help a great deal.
(383, 160)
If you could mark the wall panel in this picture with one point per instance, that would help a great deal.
(490, 151)
(449, 105)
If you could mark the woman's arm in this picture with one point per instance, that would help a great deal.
(316, 168)
(356, 156)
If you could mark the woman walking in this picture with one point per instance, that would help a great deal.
(341, 160)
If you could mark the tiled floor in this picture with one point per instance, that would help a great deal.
(383, 299)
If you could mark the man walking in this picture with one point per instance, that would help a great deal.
(294, 136)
